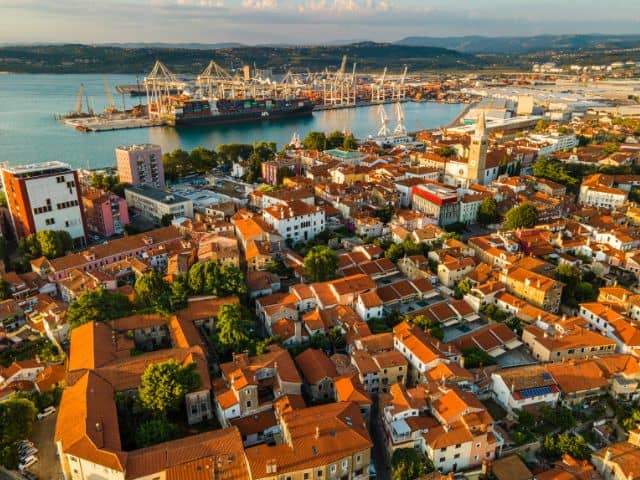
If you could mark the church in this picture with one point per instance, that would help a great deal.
(479, 166)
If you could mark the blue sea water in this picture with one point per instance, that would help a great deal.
(29, 133)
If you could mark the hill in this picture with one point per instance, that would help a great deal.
(519, 45)
(116, 59)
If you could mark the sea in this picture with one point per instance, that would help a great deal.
(29, 132)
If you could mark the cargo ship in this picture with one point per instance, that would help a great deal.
(186, 111)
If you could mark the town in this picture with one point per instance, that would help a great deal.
(459, 302)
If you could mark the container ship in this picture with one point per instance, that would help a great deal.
(186, 111)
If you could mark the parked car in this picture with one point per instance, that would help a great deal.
(28, 452)
(46, 412)
(27, 462)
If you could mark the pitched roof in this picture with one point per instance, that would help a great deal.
(315, 365)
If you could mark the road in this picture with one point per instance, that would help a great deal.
(48, 466)
(378, 454)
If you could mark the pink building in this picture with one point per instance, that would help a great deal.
(141, 165)
(106, 212)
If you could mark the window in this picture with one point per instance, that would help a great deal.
(333, 469)
(441, 459)
(457, 455)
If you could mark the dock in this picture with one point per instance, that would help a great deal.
(104, 124)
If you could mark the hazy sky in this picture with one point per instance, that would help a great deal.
(303, 21)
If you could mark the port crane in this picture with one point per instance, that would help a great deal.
(400, 127)
(160, 84)
(384, 122)
(111, 108)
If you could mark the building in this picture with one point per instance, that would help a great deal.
(541, 291)
(516, 388)
(556, 344)
(296, 221)
(478, 151)
(106, 212)
(155, 204)
(327, 441)
(598, 191)
(620, 460)
(436, 200)
(271, 169)
(45, 196)
(141, 165)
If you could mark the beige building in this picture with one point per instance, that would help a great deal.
(325, 442)
(553, 345)
(620, 460)
(541, 291)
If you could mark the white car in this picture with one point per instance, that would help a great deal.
(27, 462)
(46, 412)
(28, 452)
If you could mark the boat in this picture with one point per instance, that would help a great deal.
(186, 111)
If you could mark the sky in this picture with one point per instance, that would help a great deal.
(303, 21)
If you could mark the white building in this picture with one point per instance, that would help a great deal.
(155, 204)
(44, 196)
(296, 221)
(554, 142)
(516, 388)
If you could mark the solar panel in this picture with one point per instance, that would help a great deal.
(546, 376)
(535, 392)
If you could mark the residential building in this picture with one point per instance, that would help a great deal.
(155, 204)
(518, 387)
(541, 291)
(141, 165)
(597, 191)
(619, 461)
(377, 371)
(45, 196)
(319, 373)
(106, 212)
(437, 200)
(559, 344)
(326, 441)
(296, 221)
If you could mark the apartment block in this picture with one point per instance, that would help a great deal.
(45, 196)
(141, 165)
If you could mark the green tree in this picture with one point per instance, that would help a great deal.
(335, 139)
(5, 289)
(166, 219)
(554, 447)
(214, 278)
(446, 151)
(179, 293)
(96, 306)
(164, 385)
(153, 291)
(384, 214)
(16, 417)
(463, 287)
(428, 325)
(408, 464)
(234, 328)
(522, 216)
(541, 126)
(155, 430)
(349, 142)
(315, 141)
(29, 247)
(488, 211)
(475, 357)
(320, 264)
(283, 172)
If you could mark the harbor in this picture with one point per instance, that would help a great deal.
(29, 100)
(218, 97)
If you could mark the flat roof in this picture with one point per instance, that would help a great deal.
(139, 146)
(33, 169)
(158, 195)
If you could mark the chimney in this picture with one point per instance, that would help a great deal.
(461, 361)
(317, 432)
(486, 468)
(98, 426)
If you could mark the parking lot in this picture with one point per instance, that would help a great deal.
(48, 466)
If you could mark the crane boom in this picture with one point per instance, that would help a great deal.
(79, 99)
(107, 88)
